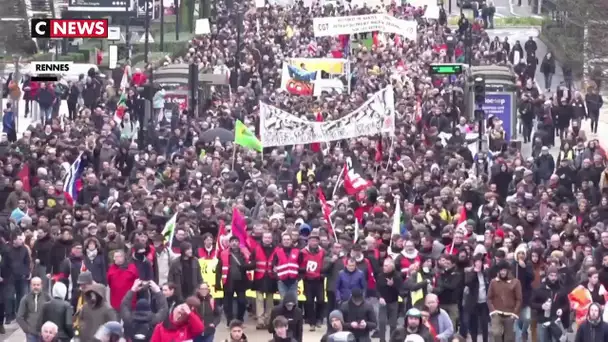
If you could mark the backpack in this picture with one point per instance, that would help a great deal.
(141, 332)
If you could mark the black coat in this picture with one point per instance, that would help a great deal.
(471, 280)
(60, 312)
(559, 300)
(449, 286)
(592, 332)
(357, 313)
(176, 273)
(295, 319)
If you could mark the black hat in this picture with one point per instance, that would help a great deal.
(503, 265)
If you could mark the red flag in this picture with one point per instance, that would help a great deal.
(326, 210)
(397, 40)
(239, 226)
(462, 217)
(316, 147)
(379, 151)
(220, 233)
(24, 177)
(353, 181)
(375, 40)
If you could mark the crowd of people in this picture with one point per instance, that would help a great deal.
(439, 244)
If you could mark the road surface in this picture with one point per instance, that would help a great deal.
(504, 8)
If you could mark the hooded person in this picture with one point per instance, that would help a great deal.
(593, 328)
(359, 316)
(288, 309)
(182, 324)
(95, 312)
(139, 323)
(335, 324)
(59, 311)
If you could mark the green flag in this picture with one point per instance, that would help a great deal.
(244, 137)
(169, 230)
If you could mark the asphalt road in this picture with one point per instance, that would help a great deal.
(504, 8)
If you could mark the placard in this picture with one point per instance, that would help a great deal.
(375, 116)
(335, 26)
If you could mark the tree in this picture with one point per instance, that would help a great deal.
(577, 28)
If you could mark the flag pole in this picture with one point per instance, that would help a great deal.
(233, 155)
(331, 224)
(390, 152)
(337, 183)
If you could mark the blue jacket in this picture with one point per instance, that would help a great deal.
(97, 267)
(8, 122)
(347, 281)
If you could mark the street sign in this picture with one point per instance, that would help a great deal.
(114, 33)
(100, 5)
(446, 69)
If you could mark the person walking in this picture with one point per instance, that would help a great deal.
(350, 278)
(139, 322)
(311, 265)
(475, 298)
(58, 311)
(45, 99)
(264, 282)
(30, 308)
(231, 276)
(121, 277)
(9, 124)
(209, 312)
(359, 316)
(185, 272)
(281, 330)
(95, 312)
(547, 68)
(504, 303)
(390, 287)
(288, 309)
(285, 265)
(594, 103)
(19, 263)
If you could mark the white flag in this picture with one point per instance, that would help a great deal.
(396, 230)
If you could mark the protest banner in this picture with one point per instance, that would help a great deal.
(375, 116)
(334, 26)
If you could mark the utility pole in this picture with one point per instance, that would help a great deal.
(162, 27)
(127, 28)
(17, 80)
(177, 10)
(147, 27)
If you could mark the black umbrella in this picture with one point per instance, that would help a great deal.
(223, 134)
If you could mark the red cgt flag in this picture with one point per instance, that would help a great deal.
(24, 177)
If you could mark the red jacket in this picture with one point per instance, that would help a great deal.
(180, 332)
(120, 281)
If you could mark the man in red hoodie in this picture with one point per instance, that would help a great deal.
(182, 325)
(121, 277)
